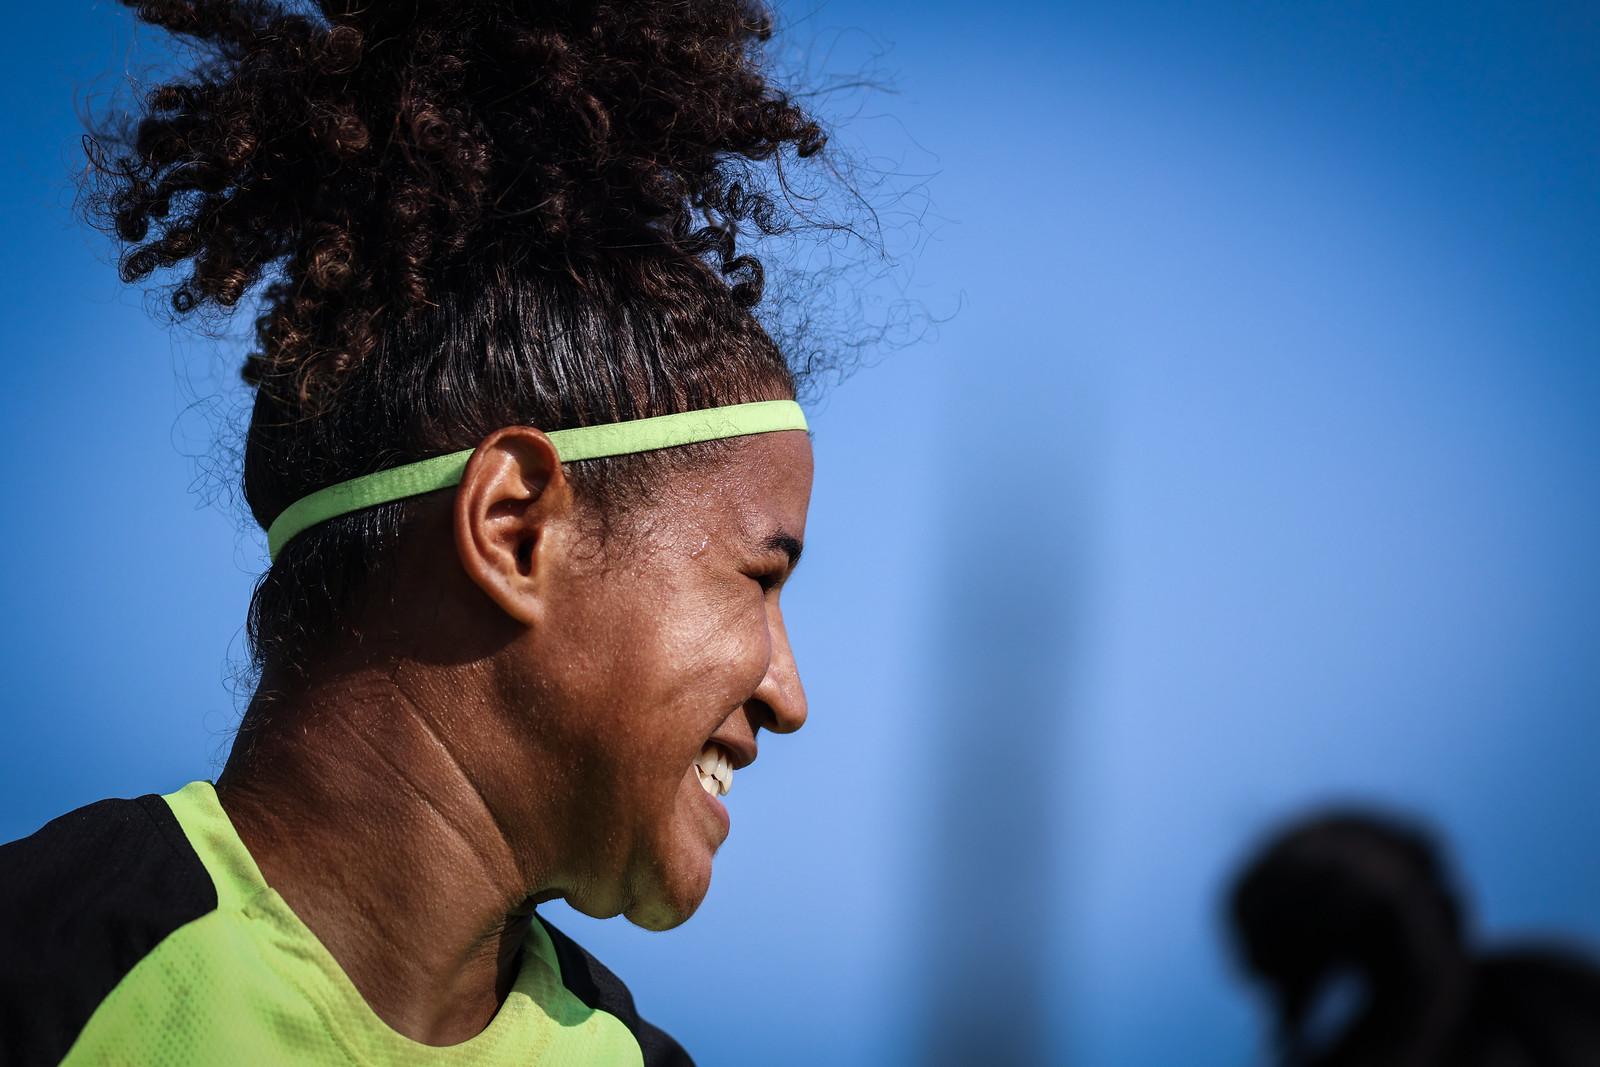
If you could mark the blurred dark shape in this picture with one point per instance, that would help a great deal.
(1003, 687)
(1003, 670)
(1353, 925)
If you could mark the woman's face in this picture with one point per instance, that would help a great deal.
(665, 656)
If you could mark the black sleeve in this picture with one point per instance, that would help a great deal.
(589, 980)
(81, 902)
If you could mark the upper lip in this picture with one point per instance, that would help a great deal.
(741, 751)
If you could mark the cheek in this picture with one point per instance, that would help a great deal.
(721, 651)
(661, 669)
(649, 661)
(710, 663)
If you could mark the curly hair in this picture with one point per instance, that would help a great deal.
(454, 215)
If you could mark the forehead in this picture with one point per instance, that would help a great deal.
(759, 486)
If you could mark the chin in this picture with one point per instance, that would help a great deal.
(657, 917)
(671, 901)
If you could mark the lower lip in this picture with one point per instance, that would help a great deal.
(719, 808)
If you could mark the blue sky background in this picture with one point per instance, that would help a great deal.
(1257, 469)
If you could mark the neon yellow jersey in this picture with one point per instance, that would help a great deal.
(244, 982)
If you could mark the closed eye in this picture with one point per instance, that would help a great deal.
(789, 545)
(790, 548)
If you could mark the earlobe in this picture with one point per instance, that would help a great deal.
(512, 499)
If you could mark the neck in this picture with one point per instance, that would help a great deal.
(351, 798)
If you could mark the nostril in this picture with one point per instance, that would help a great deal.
(785, 715)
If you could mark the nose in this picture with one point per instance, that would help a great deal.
(780, 699)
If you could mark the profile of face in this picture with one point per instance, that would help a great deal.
(641, 666)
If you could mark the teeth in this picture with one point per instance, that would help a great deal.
(714, 770)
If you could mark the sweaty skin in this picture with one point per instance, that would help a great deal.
(520, 718)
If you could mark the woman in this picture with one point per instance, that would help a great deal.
(533, 478)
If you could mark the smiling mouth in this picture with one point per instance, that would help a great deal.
(714, 769)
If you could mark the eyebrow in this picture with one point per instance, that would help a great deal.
(788, 544)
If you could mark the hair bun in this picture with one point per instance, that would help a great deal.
(350, 154)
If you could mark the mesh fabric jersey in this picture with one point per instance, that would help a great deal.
(142, 932)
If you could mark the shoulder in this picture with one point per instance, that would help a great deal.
(593, 983)
(81, 902)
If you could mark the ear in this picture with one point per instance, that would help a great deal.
(512, 508)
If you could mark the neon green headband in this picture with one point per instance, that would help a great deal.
(582, 442)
